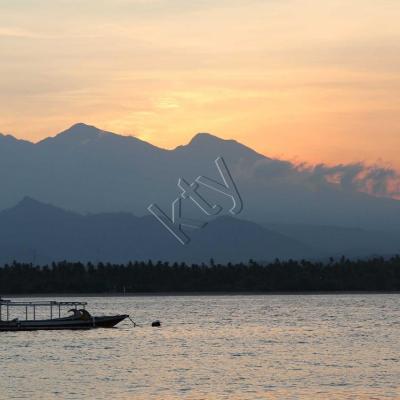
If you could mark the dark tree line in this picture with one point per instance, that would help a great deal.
(377, 274)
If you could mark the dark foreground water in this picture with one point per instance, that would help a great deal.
(215, 347)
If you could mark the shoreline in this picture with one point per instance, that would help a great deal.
(200, 294)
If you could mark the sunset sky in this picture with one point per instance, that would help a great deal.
(306, 80)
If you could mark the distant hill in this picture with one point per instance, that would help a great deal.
(335, 241)
(87, 170)
(41, 233)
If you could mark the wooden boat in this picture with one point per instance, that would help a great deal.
(81, 318)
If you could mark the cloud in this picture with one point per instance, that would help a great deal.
(17, 33)
(381, 181)
(357, 177)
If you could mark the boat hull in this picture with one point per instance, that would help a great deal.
(62, 323)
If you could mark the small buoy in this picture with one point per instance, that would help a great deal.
(156, 323)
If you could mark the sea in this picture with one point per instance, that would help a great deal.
(287, 346)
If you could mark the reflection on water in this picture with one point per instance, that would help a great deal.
(215, 347)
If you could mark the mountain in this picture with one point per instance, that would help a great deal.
(36, 232)
(335, 241)
(41, 233)
(85, 169)
(87, 139)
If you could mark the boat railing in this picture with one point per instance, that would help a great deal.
(34, 304)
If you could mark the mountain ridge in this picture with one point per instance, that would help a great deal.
(88, 170)
(50, 233)
(92, 132)
(33, 230)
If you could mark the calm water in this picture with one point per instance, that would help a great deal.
(215, 347)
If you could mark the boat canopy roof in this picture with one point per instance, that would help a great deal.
(10, 303)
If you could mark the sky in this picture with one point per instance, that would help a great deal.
(304, 80)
